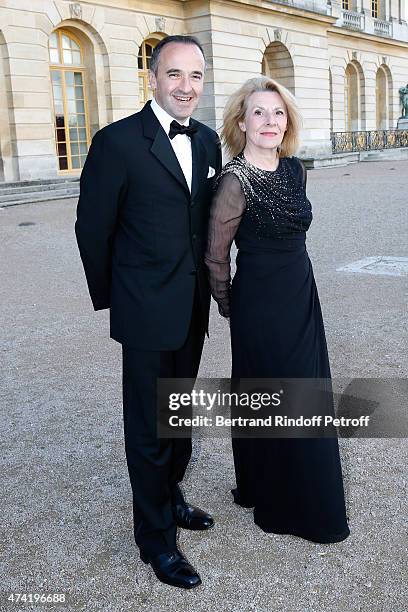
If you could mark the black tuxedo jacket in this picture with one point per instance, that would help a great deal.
(141, 233)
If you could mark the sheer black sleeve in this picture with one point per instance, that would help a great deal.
(227, 209)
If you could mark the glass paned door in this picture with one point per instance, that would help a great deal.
(143, 64)
(70, 109)
(71, 131)
(59, 114)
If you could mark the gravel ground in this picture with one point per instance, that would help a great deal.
(66, 505)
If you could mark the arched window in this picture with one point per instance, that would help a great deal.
(278, 65)
(383, 90)
(381, 99)
(351, 99)
(143, 64)
(69, 97)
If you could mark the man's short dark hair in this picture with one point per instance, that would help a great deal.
(177, 38)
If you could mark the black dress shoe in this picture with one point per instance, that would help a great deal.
(189, 517)
(173, 568)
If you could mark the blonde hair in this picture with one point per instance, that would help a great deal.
(232, 136)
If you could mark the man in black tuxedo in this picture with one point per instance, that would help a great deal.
(141, 228)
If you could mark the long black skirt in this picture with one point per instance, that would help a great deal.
(294, 485)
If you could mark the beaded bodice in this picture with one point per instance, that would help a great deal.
(258, 208)
(275, 201)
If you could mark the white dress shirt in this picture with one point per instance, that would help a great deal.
(181, 143)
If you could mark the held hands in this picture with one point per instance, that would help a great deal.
(223, 309)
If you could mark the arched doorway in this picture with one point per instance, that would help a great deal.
(331, 100)
(278, 65)
(354, 102)
(9, 170)
(143, 64)
(383, 96)
(71, 119)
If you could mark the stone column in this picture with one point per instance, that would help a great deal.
(31, 97)
(370, 73)
(312, 90)
(338, 76)
(198, 23)
(124, 32)
(385, 10)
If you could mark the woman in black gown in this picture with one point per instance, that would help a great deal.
(295, 484)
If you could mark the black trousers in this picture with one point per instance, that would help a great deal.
(156, 466)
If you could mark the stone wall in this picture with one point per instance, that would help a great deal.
(298, 46)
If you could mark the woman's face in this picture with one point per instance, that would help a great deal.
(265, 120)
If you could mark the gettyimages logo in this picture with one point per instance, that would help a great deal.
(209, 401)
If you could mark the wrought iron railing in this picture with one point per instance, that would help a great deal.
(349, 142)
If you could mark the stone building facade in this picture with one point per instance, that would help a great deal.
(69, 68)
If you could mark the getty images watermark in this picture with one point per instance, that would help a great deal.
(282, 408)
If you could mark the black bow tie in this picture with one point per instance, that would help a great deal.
(177, 128)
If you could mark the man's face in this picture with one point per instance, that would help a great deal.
(179, 81)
